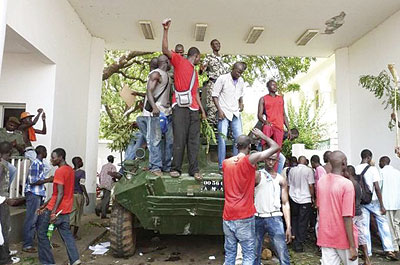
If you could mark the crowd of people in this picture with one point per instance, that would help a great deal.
(265, 193)
(63, 209)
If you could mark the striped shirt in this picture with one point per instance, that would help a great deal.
(36, 173)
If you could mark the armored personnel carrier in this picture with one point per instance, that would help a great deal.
(178, 206)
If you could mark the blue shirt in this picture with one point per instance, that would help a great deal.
(36, 173)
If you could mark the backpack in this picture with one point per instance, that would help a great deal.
(184, 98)
(366, 193)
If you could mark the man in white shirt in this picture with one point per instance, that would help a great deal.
(391, 198)
(301, 192)
(227, 94)
(376, 207)
(271, 195)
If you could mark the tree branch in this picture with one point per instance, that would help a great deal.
(122, 63)
(109, 113)
(131, 77)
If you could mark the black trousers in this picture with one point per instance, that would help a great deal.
(300, 216)
(186, 127)
(5, 227)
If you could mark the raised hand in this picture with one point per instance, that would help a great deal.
(166, 23)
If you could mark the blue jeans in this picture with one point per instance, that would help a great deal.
(159, 144)
(273, 226)
(281, 163)
(382, 223)
(137, 140)
(12, 170)
(236, 127)
(33, 202)
(62, 224)
(240, 231)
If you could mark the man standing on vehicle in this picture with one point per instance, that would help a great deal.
(186, 105)
(239, 180)
(272, 106)
(157, 105)
(228, 98)
(214, 67)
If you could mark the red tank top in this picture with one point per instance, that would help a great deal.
(273, 107)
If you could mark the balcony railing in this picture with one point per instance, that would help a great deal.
(17, 186)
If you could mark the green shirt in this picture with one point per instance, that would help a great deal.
(10, 137)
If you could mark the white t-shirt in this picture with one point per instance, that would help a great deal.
(372, 175)
(299, 179)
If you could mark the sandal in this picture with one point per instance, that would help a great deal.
(29, 250)
(15, 260)
(198, 176)
(391, 256)
(174, 174)
(157, 173)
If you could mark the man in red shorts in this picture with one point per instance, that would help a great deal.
(271, 112)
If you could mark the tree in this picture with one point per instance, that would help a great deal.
(382, 87)
(132, 68)
(311, 129)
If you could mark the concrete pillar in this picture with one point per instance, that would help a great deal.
(93, 118)
(343, 100)
(3, 18)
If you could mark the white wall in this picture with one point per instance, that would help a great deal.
(25, 79)
(361, 116)
(3, 18)
(319, 77)
(54, 29)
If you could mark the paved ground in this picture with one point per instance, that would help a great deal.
(165, 249)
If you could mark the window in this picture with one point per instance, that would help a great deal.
(8, 110)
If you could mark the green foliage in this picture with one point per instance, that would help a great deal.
(281, 68)
(207, 132)
(311, 129)
(116, 127)
(248, 121)
(382, 88)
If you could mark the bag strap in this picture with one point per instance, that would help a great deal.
(364, 171)
(192, 80)
(162, 92)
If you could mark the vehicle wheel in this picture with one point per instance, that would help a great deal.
(122, 232)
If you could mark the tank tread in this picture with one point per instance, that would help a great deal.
(122, 232)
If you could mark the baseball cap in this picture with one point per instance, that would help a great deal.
(25, 115)
(14, 120)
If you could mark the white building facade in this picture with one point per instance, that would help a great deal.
(51, 61)
(51, 56)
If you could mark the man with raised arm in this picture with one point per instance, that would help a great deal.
(239, 180)
(271, 195)
(186, 105)
(29, 133)
(337, 236)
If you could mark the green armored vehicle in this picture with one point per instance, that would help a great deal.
(179, 206)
